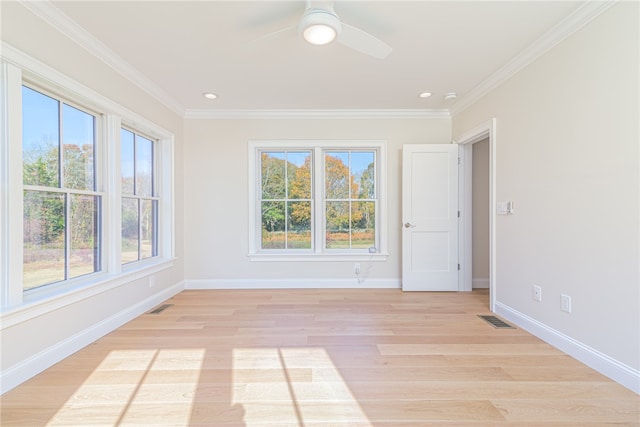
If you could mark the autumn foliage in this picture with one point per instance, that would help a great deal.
(287, 200)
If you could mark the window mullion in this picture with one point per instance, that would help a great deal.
(67, 235)
(135, 163)
(319, 202)
(62, 190)
(112, 209)
(286, 199)
(350, 199)
(139, 205)
(350, 221)
(61, 177)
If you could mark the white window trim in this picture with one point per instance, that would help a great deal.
(15, 305)
(317, 253)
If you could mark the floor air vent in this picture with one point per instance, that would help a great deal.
(160, 309)
(495, 322)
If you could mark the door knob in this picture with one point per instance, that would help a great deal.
(408, 225)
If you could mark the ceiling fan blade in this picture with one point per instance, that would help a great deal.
(364, 42)
(272, 35)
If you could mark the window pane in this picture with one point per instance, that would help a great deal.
(336, 175)
(78, 143)
(273, 225)
(147, 228)
(337, 217)
(40, 139)
(363, 223)
(126, 161)
(43, 238)
(129, 230)
(299, 225)
(299, 175)
(273, 175)
(363, 173)
(84, 257)
(144, 166)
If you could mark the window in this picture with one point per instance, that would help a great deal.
(350, 199)
(317, 198)
(139, 198)
(285, 199)
(87, 187)
(61, 237)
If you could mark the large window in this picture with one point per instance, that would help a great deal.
(311, 198)
(86, 191)
(61, 237)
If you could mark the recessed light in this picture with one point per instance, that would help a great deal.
(451, 95)
(210, 95)
(425, 94)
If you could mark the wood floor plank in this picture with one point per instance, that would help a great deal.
(304, 357)
(616, 410)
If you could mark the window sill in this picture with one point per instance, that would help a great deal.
(47, 299)
(313, 257)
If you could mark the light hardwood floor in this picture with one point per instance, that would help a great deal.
(319, 358)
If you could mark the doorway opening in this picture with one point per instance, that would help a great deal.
(482, 134)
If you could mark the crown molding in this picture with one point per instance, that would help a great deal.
(572, 23)
(569, 25)
(62, 23)
(317, 114)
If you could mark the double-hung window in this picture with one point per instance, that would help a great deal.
(317, 199)
(61, 207)
(139, 197)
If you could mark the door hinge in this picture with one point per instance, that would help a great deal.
(458, 267)
(458, 214)
(458, 160)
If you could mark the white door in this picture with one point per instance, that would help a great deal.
(430, 217)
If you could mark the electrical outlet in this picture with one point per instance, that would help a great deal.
(356, 268)
(537, 293)
(565, 303)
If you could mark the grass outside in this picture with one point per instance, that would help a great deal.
(358, 239)
(39, 273)
(44, 266)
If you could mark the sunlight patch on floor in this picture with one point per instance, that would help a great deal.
(293, 386)
(136, 385)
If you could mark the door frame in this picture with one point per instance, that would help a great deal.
(465, 141)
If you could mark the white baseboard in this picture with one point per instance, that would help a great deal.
(292, 284)
(480, 283)
(617, 371)
(19, 373)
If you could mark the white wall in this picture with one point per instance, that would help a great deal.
(567, 156)
(216, 238)
(33, 344)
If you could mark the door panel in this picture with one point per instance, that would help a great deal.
(430, 217)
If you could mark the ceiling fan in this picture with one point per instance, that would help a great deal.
(321, 25)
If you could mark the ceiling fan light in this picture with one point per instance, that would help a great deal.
(319, 34)
(319, 26)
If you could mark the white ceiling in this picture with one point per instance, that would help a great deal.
(184, 48)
